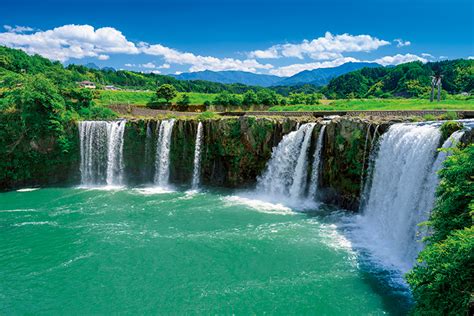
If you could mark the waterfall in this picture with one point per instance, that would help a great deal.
(197, 158)
(101, 147)
(402, 192)
(163, 145)
(314, 183)
(286, 172)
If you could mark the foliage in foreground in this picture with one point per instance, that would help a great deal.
(443, 280)
(37, 133)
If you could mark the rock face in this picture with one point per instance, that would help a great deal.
(234, 152)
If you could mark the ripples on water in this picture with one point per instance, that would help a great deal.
(155, 250)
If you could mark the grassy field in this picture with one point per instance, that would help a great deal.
(144, 97)
(380, 104)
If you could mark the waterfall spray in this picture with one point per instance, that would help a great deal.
(101, 147)
(163, 146)
(314, 183)
(197, 158)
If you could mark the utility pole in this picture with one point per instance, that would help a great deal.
(435, 81)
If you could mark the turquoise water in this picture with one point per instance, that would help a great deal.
(135, 251)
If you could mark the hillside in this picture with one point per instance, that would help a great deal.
(14, 62)
(322, 76)
(405, 80)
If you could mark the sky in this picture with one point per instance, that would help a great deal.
(278, 37)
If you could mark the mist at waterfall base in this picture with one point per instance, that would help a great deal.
(161, 249)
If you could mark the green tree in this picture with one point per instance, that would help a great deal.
(267, 97)
(167, 92)
(249, 98)
(184, 100)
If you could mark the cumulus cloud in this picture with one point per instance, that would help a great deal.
(18, 29)
(198, 62)
(470, 57)
(103, 57)
(399, 59)
(426, 55)
(130, 65)
(401, 43)
(70, 41)
(322, 48)
(291, 70)
(165, 66)
(148, 65)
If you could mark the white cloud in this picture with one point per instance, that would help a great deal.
(470, 57)
(18, 29)
(130, 65)
(291, 70)
(402, 43)
(199, 63)
(70, 41)
(323, 48)
(399, 59)
(426, 55)
(148, 65)
(269, 53)
(103, 57)
(165, 66)
(443, 57)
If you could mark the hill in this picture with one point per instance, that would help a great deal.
(405, 80)
(322, 76)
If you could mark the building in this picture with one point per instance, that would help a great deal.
(113, 88)
(87, 84)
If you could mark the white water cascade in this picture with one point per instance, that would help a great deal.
(197, 158)
(101, 146)
(286, 172)
(314, 183)
(402, 193)
(163, 145)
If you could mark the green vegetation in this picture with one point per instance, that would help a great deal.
(406, 80)
(17, 61)
(143, 98)
(37, 130)
(443, 281)
(167, 92)
(382, 104)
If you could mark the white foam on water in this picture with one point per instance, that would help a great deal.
(35, 223)
(259, 205)
(27, 189)
(154, 190)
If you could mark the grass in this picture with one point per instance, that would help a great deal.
(380, 104)
(143, 97)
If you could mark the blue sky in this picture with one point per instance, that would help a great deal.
(277, 37)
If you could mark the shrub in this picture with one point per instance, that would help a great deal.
(450, 127)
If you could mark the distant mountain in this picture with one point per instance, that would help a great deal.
(92, 66)
(243, 77)
(317, 77)
(322, 76)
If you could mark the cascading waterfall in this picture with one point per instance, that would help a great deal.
(286, 172)
(402, 192)
(314, 183)
(115, 132)
(101, 146)
(163, 145)
(197, 158)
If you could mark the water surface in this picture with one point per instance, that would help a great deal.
(135, 251)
